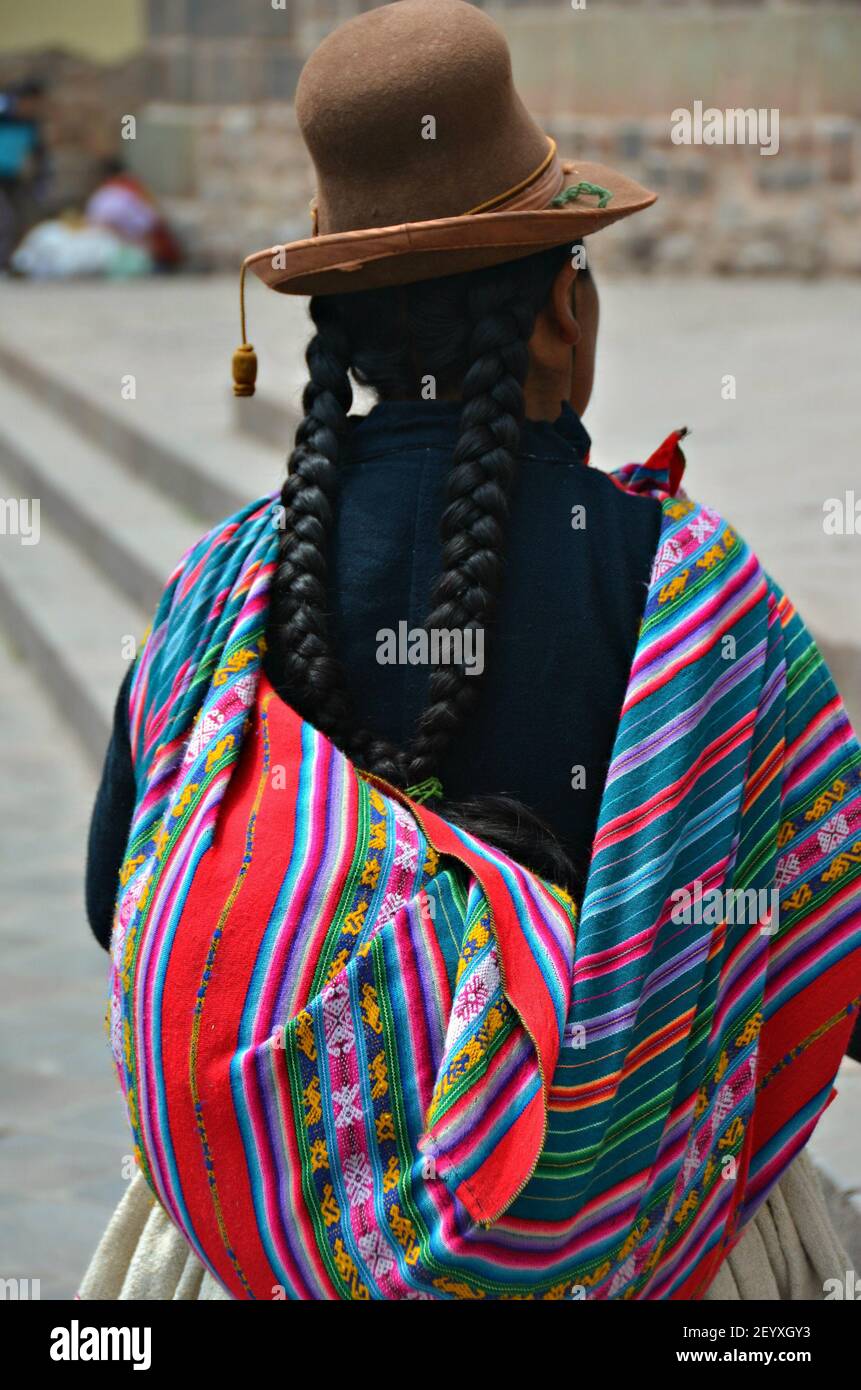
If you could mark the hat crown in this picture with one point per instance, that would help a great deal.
(409, 113)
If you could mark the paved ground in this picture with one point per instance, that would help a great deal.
(62, 1127)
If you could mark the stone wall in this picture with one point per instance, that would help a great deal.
(727, 209)
(216, 134)
(85, 103)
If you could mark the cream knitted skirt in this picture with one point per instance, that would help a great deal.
(787, 1252)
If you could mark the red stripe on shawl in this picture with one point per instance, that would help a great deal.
(581, 1097)
(493, 1187)
(791, 1088)
(699, 620)
(630, 821)
(764, 775)
(228, 987)
(786, 1093)
(208, 891)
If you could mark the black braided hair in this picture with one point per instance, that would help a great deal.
(470, 334)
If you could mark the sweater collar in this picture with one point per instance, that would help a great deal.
(393, 427)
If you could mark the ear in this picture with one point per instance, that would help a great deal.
(561, 305)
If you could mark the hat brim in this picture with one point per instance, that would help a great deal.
(344, 262)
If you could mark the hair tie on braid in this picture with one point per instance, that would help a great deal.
(429, 790)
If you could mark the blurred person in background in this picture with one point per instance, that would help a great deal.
(124, 205)
(23, 162)
(120, 234)
(419, 987)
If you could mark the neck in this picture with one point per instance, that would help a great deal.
(543, 400)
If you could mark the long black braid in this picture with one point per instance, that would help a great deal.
(468, 334)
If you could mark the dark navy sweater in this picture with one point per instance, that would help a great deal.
(557, 655)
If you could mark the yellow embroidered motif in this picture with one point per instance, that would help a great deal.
(132, 1106)
(377, 802)
(824, 802)
(701, 1102)
(785, 834)
(802, 895)
(751, 1030)
(558, 1292)
(466, 1057)
(305, 1035)
(597, 1274)
(679, 509)
(223, 746)
(385, 1126)
(674, 588)
(688, 1205)
(392, 1175)
(339, 963)
(129, 867)
(311, 1099)
(128, 957)
(729, 538)
(379, 1074)
(477, 937)
(432, 862)
(733, 1134)
(371, 1008)
(185, 800)
(349, 1273)
(378, 835)
(404, 1232)
(475, 940)
(656, 1253)
(842, 863)
(319, 1155)
(712, 557)
(370, 873)
(329, 1208)
(355, 920)
(236, 662)
(635, 1236)
(723, 1063)
(459, 1289)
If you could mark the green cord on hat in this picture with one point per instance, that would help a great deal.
(423, 791)
(569, 195)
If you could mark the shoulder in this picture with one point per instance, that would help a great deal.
(704, 573)
(222, 576)
(227, 548)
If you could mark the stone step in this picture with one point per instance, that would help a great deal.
(125, 528)
(266, 419)
(69, 622)
(209, 477)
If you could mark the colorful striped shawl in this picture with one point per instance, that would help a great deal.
(358, 1068)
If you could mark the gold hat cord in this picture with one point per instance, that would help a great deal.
(244, 358)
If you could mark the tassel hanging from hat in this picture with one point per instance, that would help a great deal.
(244, 358)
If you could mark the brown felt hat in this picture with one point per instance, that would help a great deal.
(427, 161)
